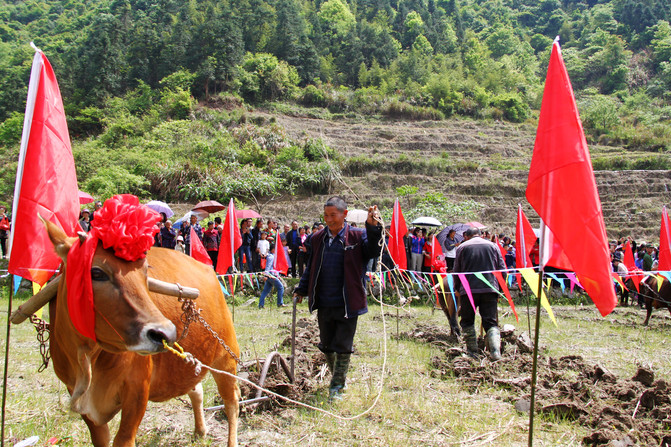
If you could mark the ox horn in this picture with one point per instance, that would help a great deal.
(49, 291)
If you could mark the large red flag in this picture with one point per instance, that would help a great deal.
(198, 251)
(231, 240)
(46, 181)
(562, 190)
(281, 264)
(525, 239)
(664, 243)
(397, 230)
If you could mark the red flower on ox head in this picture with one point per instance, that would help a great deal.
(126, 225)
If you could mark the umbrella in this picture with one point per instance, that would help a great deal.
(160, 207)
(246, 214)
(200, 214)
(211, 206)
(357, 216)
(459, 236)
(85, 198)
(476, 225)
(427, 221)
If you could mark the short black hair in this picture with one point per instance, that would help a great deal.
(338, 202)
(217, 220)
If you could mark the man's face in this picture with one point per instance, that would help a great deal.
(334, 218)
(294, 225)
(168, 224)
(193, 219)
(286, 228)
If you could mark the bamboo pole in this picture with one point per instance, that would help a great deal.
(532, 404)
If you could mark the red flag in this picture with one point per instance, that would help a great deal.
(525, 237)
(231, 240)
(562, 190)
(664, 243)
(198, 251)
(397, 230)
(281, 264)
(631, 266)
(46, 181)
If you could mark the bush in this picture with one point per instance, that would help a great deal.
(313, 96)
(116, 180)
(402, 110)
(10, 130)
(513, 107)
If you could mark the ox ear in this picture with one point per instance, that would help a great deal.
(61, 241)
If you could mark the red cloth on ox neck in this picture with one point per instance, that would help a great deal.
(123, 224)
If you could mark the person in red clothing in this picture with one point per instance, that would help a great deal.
(210, 242)
(4, 230)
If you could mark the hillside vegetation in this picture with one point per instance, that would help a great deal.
(432, 101)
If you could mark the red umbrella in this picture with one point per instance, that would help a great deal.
(211, 206)
(85, 198)
(246, 214)
(476, 225)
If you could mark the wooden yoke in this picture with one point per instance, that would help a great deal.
(48, 292)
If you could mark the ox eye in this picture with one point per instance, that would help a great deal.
(98, 274)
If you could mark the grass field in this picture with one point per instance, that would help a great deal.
(415, 407)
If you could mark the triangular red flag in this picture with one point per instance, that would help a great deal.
(664, 243)
(397, 230)
(562, 189)
(231, 240)
(198, 251)
(506, 292)
(525, 239)
(281, 264)
(46, 181)
(631, 266)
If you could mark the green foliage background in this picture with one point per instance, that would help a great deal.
(135, 75)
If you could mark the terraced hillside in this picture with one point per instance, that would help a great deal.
(490, 165)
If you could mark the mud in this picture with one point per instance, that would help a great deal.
(310, 371)
(620, 411)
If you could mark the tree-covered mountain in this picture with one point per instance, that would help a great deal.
(133, 73)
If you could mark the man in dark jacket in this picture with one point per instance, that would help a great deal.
(479, 255)
(333, 282)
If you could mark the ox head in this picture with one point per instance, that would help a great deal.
(126, 318)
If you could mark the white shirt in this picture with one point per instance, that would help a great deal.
(263, 245)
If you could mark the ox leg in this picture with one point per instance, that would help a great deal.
(133, 406)
(648, 311)
(230, 393)
(196, 396)
(100, 434)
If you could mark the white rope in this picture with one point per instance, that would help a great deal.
(199, 364)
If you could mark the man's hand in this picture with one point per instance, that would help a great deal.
(297, 298)
(373, 216)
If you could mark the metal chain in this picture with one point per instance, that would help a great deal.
(43, 334)
(190, 314)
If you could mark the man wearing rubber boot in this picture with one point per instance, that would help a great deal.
(479, 255)
(333, 282)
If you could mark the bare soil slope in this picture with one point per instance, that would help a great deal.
(496, 157)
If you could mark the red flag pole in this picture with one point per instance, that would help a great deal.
(4, 376)
(532, 403)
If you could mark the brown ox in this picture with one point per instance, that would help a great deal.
(115, 374)
(654, 298)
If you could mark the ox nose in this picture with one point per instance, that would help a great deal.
(157, 333)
